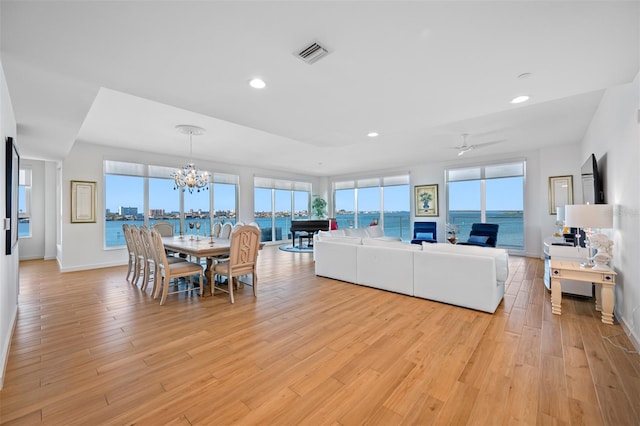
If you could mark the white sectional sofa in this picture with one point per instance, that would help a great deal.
(467, 276)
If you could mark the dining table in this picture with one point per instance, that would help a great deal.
(199, 248)
(204, 247)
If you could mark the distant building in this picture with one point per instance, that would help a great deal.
(127, 211)
(156, 212)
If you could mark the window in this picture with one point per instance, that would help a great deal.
(225, 201)
(124, 204)
(164, 203)
(144, 194)
(363, 202)
(24, 203)
(488, 194)
(276, 203)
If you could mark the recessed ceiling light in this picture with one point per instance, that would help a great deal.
(519, 99)
(257, 83)
(372, 134)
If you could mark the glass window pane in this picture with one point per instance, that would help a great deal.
(164, 203)
(301, 205)
(283, 213)
(124, 202)
(224, 202)
(368, 206)
(506, 211)
(396, 212)
(263, 212)
(345, 205)
(464, 206)
(196, 212)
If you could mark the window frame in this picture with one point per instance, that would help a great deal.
(25, 181)
(482, 173)
(151, 171)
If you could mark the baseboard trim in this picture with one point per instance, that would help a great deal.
(93, 266)
(6, 345)
(635, 341)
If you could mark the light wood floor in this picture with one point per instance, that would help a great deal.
(89, 348)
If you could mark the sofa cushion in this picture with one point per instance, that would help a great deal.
(375, 231)
(382, 242)
(334, 233)
(344, 240)
(356, 232)
(500, 255)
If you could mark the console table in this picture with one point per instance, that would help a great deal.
(603, 279)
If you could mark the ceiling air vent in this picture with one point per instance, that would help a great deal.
(312, 53)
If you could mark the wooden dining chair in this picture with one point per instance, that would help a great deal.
(140, 255)
(217, 227)
(165, 229)
(133, 258)
(169, 271)
(242, 259)
(225, 231)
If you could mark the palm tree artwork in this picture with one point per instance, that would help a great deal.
(425, 199)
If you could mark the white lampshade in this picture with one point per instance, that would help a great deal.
(589, 216)
(559, 213)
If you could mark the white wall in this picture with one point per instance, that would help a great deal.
(8, 264)
(82, 245)
(614, 138)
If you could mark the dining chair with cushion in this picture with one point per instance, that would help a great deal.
(242, 259)
(165, 229)
(141, 258)
(169, 271)
(150, 264)
(216, 230)
(225, 232)
(133, 258)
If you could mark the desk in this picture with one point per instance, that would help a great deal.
(603, 279)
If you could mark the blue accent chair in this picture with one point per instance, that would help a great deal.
(424, 232)
(483, 235)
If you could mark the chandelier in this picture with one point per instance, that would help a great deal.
(189, 177)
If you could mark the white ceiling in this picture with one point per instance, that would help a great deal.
(419, 73)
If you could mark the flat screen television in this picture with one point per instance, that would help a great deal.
(592, 192)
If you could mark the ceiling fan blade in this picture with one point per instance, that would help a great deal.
(463, 149)
(482, 145)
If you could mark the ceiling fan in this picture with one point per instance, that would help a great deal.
(466, 147)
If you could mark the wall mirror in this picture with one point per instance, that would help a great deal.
(560, 192)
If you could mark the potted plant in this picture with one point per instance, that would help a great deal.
(318, 208)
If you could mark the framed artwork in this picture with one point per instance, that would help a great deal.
(560, 192)
(12, 175)
(426, 197)
(83, 202)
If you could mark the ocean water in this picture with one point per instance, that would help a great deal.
(510, 233)
(396, 224)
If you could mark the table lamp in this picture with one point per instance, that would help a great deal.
(589, 217)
